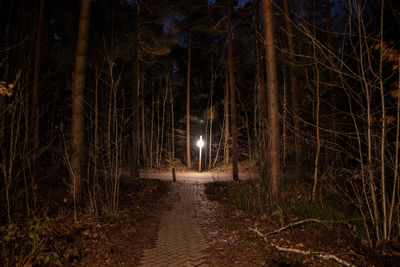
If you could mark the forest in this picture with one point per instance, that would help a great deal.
(303, 93)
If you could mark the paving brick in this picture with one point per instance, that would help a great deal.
(179, 241)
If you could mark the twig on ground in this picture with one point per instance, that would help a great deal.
(294, 224)
(322, 255)
(304, 221)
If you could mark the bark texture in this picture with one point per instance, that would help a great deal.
(78, 90)
(188, 158)
(226, 115)
(272, 95)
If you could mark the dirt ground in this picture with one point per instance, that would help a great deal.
(120, 239)
(234, 244)
(112, 239)
(230, 243)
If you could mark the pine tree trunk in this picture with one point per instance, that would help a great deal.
(317, 134)
(284, 125)
(165, 96)
(151, 127)
(226, 118)
(317, 129)
(273, 105)
(144, 143)
(188, 157)
(158, 129)
(172, 122)
(212, 82)
(211, 118)
(235, 174)
(78, 87)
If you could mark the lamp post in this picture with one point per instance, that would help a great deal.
(200, 144)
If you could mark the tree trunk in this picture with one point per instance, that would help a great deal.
(172, 122)
(273, 106)
(211, 117)
(96, 142)
(165, 96)
(78, 87)
(151, 127)
(144, 141)
(316, 73)
(226, 116)
(188, 157)
(317, 134)
(135, 96)
(294, 93)
(235, 174)
(383, 133)
(158, 129)
(284, 125)
(206, 138)
(35, 94)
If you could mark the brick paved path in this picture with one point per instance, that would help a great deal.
(180, 242)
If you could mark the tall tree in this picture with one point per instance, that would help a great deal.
(78, 89)
(135, 94)
(293, 90)
(171, 101)
(143, 118)
(211, 113)
(235, 174)
(273, 105)
(188, 103)
(226, 118)
(317, 108)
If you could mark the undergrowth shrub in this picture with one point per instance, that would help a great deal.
(20, 244)
(248, 196)
(294, 203)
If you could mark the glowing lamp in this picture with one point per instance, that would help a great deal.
(200, 144)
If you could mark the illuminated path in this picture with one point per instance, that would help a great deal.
(179, 240)
(203, 177)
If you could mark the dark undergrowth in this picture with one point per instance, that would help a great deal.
(340, 223)
(51, 236)
(293, 203)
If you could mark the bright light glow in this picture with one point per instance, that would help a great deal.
(200, 143)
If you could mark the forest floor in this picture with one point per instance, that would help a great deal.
(228, 228)
(123, 238)
(111, 239)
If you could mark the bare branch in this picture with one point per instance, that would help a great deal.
(323, 255)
